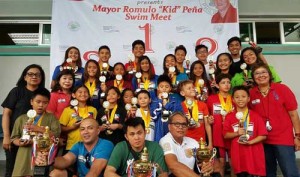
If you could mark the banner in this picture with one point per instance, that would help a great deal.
(161, 24)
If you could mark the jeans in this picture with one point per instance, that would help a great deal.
(10, 160)
(286, 158)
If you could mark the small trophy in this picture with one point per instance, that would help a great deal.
(134, 102)
(47, 148)
(203, 154)
(138, 76)
(102, 80)
(268, 125)
(143, 167)
(171, 74)
(119, 78)
(243, 138)
(211, 72)
(104, 68)
(245, 73)
(192, 123)
(187, 62)
(26, 134)
(201, 91)
(68, 65)
(106, 111)
(74, 104)
(131, 63)
(165, 113)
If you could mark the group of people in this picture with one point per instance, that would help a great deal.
(106, 115)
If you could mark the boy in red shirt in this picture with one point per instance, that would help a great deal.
(247, 131)
(196, 111)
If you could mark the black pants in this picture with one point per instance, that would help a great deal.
(10, 160)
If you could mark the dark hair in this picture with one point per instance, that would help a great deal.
(42, 92)
(166, 71)
(123, 93)
(78, 62)
(258, 59)
(150, 71)
(138, 42)
(218, 70)
(116, 90)
(164, 78)
(222, 76)
(175, 114)
(143, 92)
(22, 83)
(86, 75)
(235, 38)
(200, 46)
(183, 83)
(192, 76)
(240, 87)
(57, 86)
(261, 65)
(133, 122)
(180, 47)
(88, 102)
(119, 63)
(104, 47)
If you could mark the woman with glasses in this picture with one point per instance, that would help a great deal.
(17, 103)
(277, 105)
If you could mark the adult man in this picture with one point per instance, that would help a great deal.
(91, 155)
(234, 45)
(226, 12)
(178, 148)
(201, 52)
(128, 151)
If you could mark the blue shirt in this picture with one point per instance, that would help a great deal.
(78, 75)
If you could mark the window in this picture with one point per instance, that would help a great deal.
(291, 32)
(46, 34)
(246, 32)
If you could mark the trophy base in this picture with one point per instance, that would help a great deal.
(41, 171)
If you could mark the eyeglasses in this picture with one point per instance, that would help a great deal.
(178, 124)
(263, 73)
(87, 160)
(37, 75)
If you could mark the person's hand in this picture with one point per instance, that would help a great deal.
(6, 143)
(41, 158)
(103, 127)
(24, 143)
(206, 167)
(129, 68)
(76, 124)
(297, 144)
(241, 131)
(210, 119)
(113, 126)
(35, 128)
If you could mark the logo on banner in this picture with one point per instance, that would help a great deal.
(183, 29)
(73, 26)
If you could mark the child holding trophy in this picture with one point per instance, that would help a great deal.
(104, 56)
(247, 131)
(118, 78)
(29, 125)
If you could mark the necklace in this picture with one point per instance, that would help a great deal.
(264, 93)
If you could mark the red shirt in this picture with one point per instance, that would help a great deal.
(199, 132)
(276, 106)
(126, 84)
(58, 102)
(230, 16)
(247, 158)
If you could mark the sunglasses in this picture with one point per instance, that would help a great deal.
(87, 160)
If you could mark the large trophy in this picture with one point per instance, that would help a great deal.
(187, 62)
(204, 154)
(143, 167)
(26, 134)
(46, 149)
(165, 112)
(106, 120)
(243, 138)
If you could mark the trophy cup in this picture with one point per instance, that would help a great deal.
(143, 167)
(134, 102)
(26, 134)
(192, 123)
(165, 113)
(131, 63)
(102, 80)
(74, 104)
(104, 68)
(245, 73)
(187, 62)
(172, 74)
(243, 138)
(138, 76)
(106, 121)
(203, 154)
(211, 72)
(119, 78)
(47, 149)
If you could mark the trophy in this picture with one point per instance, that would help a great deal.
(268, 125)
(104, 68)
(128, 108)
(143, 167)
(138, 76)
(187, 62)
(47, 149)
(203, 154)
(119, 78)
(131, 63)
(243, 138)
(68, 65)
(171, 74)
(102, 80)
(192, 123)
(257, 48)
(134, 102)
(74, 104)
(245, 73)
(211, 72)
(223, 114)
(26, 134)
(165, 113)
(106, 121)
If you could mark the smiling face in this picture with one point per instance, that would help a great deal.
(180, 56)
(112, 96)
(81, 94)
(119, 69)
(178, 127)
(224, 62)
(39, 103)
(202, 54)
(261, 76)
(145, 65)
(198, 70)
(66, 81)
(234, 47)
(33, 77)
(92, 69)
(241, 99)
(249, 57)
(222, 5)
(73, 54)
(104, 55)
(89, 130)
(138, 50)
(170, 61)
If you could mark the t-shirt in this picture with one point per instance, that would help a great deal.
(151, 133)
(78, 74)
(102, 150)
(68, 118)
(121, 157)
(183, 151)
(58, 102)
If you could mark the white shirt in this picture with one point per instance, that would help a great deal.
(150, 135)
(183, 152)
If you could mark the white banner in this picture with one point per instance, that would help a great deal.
(161, 24)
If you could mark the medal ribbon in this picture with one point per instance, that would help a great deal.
(146, 83)
(119, 86)
(38, 119)
(246, 119)
(146, 118)
(195, 111)
(174, 79)
(227, 106)
(198, 88)
(112, 115)
(91, 87)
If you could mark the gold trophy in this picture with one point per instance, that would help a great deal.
(47, 149)
(211, 72)
(102, 80)
(74, 104)
(104, 68)
(192, 123)
(245, 73)
(187, 62)
(203, 154)
(243, 138)
(165, 112)
(26, 134)
(138, 76)
(171, 74)
(134, 102)
(106, 121)
(143, 167)
(131, 60)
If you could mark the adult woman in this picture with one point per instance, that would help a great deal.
(17, 103)
(277, 105)
(250, 56)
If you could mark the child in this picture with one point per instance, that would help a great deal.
(224, 64)
(126, 99)
(118, 78)
(61, 93)
(111, 119)
(39, 102)
(219, 105)
(163, 102)
(148, 78)
(180, 53)
(75, 65)
(91, 81)
(104, 56)
(144, 112)
(71, 117)
(247, 155)
(197, 113)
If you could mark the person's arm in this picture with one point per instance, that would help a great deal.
(97, 167)
(231, 135)
(5, 126)
(65, 161)
(257, 139)
(296, 124)
(177, 168)
(70, 128)
(110, 171)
